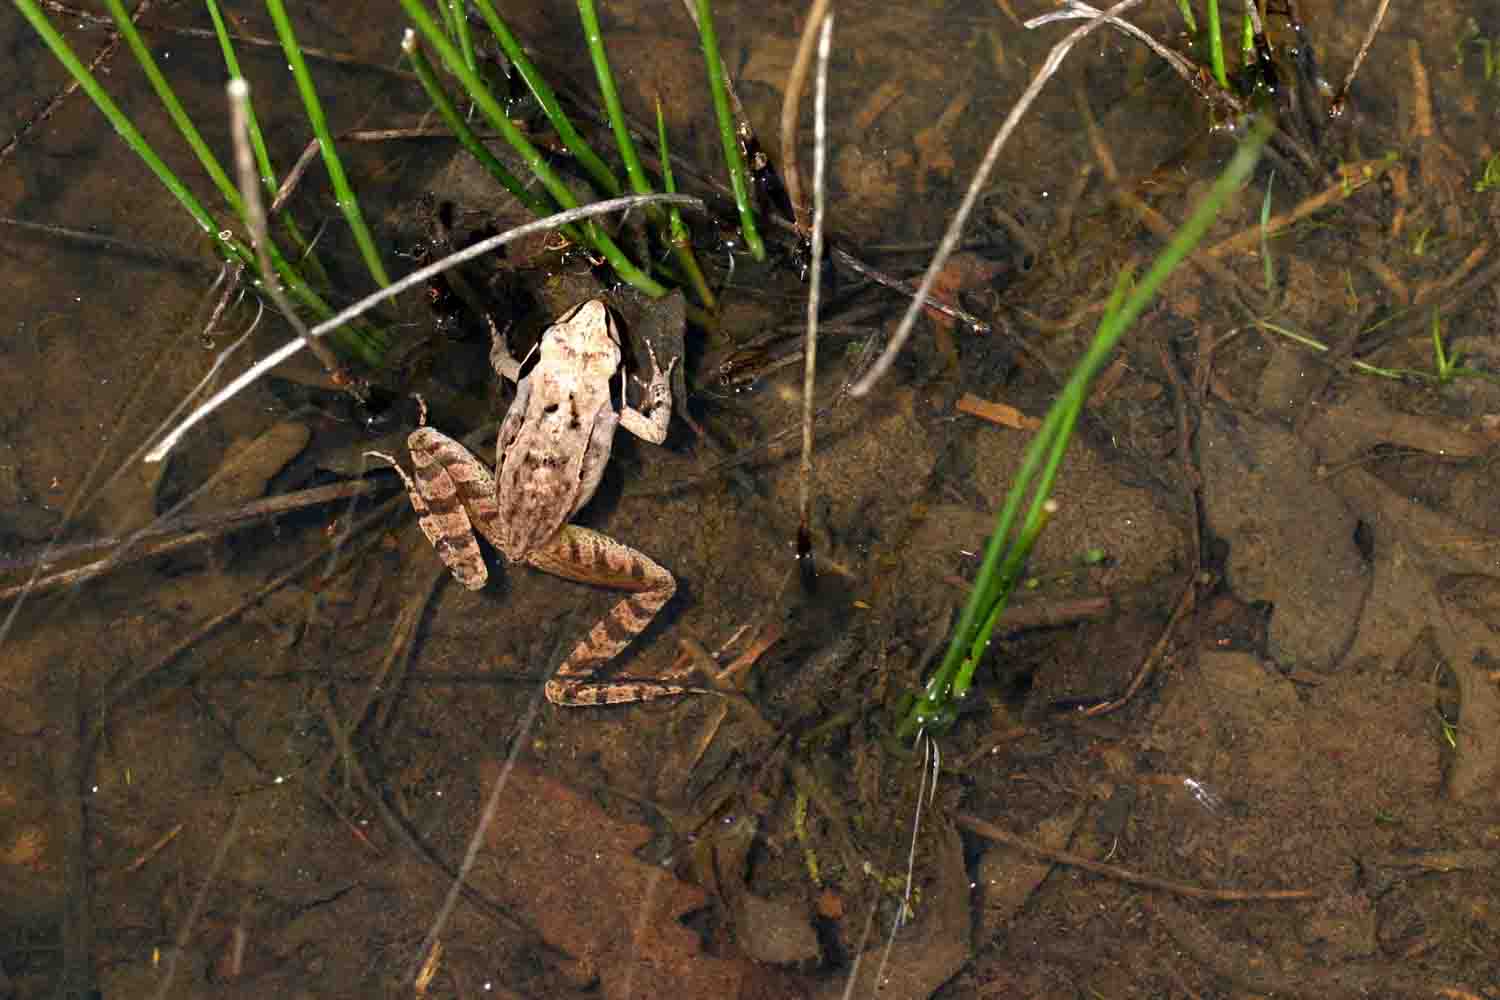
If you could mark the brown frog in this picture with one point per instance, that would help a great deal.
(554, 444)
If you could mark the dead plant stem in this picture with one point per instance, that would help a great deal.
(1354, 177)
(165, 536)
(814, 289)
(106, 51)
(255, 217)
(981, 178)
(990, 831)
(1336, 108)
(795, 81)
(417, 277)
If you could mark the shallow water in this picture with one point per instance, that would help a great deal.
(179, 819)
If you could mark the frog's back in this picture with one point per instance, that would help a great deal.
(541, 470)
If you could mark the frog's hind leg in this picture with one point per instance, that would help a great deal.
(589, 557)
(447, 484)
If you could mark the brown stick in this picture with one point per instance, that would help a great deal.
(119, 688)
(173, 534)
(1184, 605)
(795, 81)
(1354, 176)
(991, 832)
(105, 51)
(1336, 108)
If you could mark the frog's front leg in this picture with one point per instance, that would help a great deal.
(590, 557)
(658, 400)
(453, 493)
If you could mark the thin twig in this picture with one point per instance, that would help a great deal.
(128, 248)
(1158, 649)
(1353, 177)
(1076, 9)
(258, 41)
(121, 688)
(814, 297)
(397, 655)
(189, 923)
(990, 831)
(169, 535)
(1336, 107)
(924, 300)
(417, 277)
(105, 51)
(976, 188)
(795, 80)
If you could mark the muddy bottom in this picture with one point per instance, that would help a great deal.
(1238, 736)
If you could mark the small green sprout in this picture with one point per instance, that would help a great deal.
(1450, 730)
(1489, 177)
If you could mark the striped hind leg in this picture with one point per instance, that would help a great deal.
(589, 557)
(453, 493)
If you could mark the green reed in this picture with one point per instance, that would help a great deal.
(937, 706)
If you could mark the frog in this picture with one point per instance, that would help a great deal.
(552, 449)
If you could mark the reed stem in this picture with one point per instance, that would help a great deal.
(739, 180)
(596, 237)
(348, 203)
(601, 175)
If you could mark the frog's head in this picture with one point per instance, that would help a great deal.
(587, 335)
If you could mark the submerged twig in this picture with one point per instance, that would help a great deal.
(417, 277)
(990, 831)
(976, 187)
(120, 688)
(68, 89)
(1336, 107)
(1352, 177)
(169, 535)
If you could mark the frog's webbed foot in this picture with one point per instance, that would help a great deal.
(501, 359)
(590, 557)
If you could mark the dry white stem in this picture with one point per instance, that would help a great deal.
(1077, 9)
(255, 217)
(790, 171)
(976, 187)
(417, 277)
(815, 281)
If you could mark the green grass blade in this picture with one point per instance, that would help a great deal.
(1003, 556)
(448, 111)
(342, 192)
(1187, 16)
(739, 179)
(1216, 44)
(681, 240)
(232, 66)
(127, 131)
(1265, 235)
(601, 175)
(594, 38)
(535, 162)
(174, 107)
(458, 20)
(263, 164)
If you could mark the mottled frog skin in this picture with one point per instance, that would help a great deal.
(554, 443)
